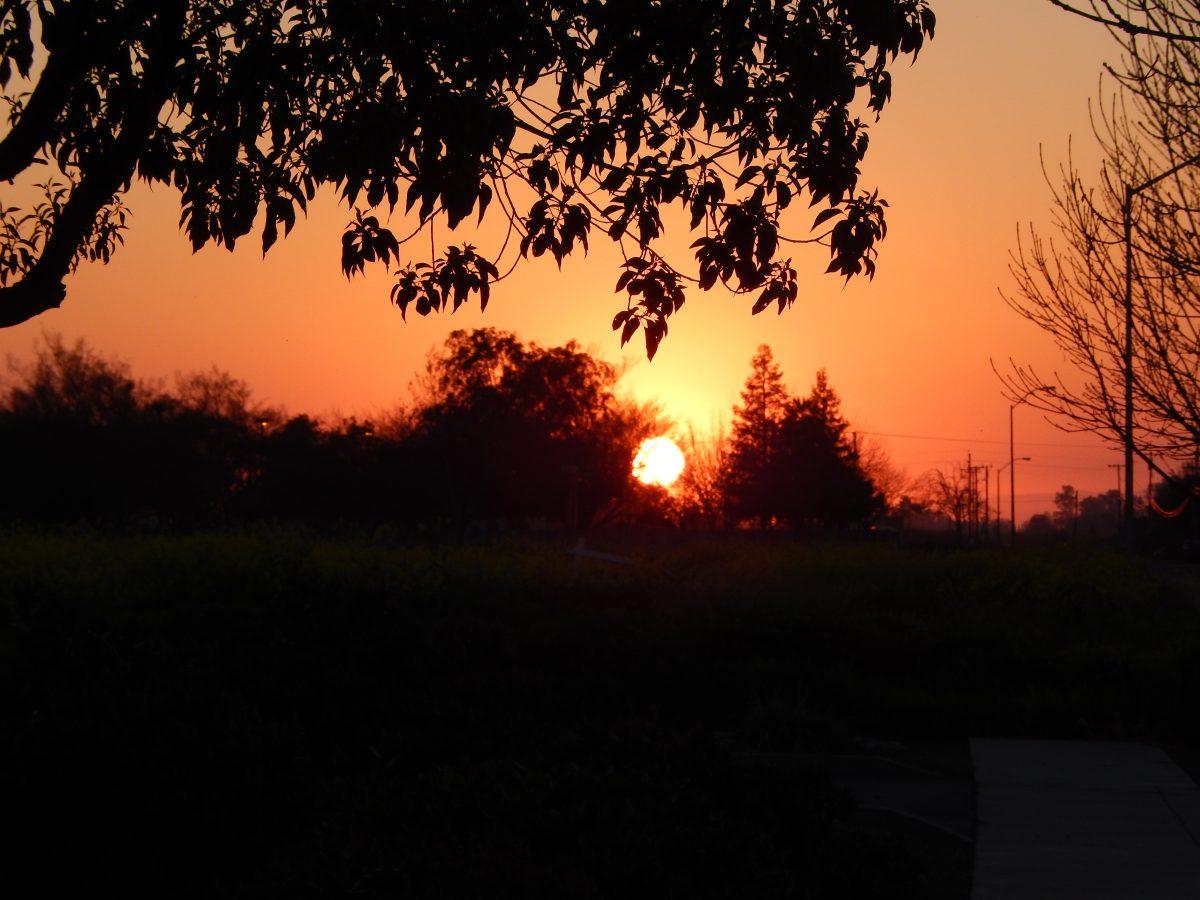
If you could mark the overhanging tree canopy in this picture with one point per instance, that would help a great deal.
(564, 115)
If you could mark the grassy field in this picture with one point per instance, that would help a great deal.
(278, 715)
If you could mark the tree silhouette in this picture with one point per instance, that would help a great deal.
(218, 395)
(509, 432)
(1100, 514)
(87, 441)
(1066, 508)
(73, 383)
(1040, 526)
(750, 486)
(564, 115)
(789, 458)
(1072, 285)
(890, 480)
(502, 433)
(951, 494)
(701, 488)
(1132, 19)
(820, 481)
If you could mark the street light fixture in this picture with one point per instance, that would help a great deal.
(1012, 459)
(1131, 191)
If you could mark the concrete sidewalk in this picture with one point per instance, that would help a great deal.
(941, 797)
(1067, 819)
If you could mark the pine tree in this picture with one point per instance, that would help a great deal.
(825, 403)
(791, 459)
(820, 482)
(756, 424)
(764, 404)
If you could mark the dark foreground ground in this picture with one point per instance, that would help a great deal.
(268, 716)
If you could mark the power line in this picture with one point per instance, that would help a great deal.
(1094, 467)
(1091, 468)
(962, 440)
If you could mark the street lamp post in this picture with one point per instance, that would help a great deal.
(1131, 191)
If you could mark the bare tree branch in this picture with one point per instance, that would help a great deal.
(1104, 13)
(1072, 286)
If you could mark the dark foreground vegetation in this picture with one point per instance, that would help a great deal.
(277, 715)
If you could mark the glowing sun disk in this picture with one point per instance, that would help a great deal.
(658, 461)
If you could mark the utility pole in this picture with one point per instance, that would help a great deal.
(977, 514)
(978, 518)
(970, 499)
(999, 532)
(987, 492)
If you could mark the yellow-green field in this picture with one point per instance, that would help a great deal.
(263, 715)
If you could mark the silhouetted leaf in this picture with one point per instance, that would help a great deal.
(627, 332)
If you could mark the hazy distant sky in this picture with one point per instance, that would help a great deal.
(956, 154)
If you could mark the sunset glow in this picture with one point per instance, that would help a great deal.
(658, 461)
(308, 340)
(460, 443)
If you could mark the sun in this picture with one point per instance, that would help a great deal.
(658, 461)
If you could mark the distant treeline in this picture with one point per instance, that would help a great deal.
(497, 431)
(498, 434)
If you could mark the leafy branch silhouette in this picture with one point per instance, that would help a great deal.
(563, 116)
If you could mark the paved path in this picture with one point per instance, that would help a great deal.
(1061, 820)
(939, 798)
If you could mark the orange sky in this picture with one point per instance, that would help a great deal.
(956, 155)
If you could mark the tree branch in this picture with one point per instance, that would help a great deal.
(1120, 23)
(35, 127)
(42, 286)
